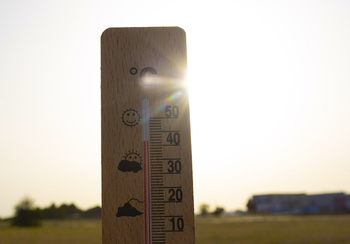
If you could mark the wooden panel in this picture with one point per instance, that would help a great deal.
(147, 189)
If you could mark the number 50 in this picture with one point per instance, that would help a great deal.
(172, 111)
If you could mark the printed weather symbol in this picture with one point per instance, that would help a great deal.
(131, 117)
(131, 162)
(129, 208)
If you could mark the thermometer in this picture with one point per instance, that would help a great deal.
(147, 187)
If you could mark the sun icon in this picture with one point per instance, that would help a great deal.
(131, 117)
(133, 157)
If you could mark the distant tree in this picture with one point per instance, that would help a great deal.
(64, 211)
(251, 206)
(92, 213)
(69, 211)
(26, 203)
(72, 209)
(204, 209)
(50, 212)
(26, 215)
(218, 211)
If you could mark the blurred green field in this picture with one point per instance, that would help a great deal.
(274, 229)
(247, 229)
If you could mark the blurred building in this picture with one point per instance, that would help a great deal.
(280, 203)
(332, 203)
(327, 203)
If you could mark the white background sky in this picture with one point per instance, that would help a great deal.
(269, 85)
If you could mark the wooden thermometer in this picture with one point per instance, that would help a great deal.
(147, 189)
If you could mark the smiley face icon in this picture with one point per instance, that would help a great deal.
(133, 157)
(131, 117)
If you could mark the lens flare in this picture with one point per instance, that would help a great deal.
(162, 104)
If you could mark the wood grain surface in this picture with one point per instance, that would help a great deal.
(129, 91)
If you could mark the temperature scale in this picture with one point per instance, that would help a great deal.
(147, 188)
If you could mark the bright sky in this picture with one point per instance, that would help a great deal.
(269, 91)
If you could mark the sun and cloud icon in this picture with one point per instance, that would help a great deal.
(131, 162)
(131, 117)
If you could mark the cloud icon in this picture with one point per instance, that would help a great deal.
(131, 163)
(128, 209)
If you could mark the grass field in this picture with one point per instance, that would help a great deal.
(247, 229)
(274, 229)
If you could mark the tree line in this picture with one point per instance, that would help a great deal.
(204, 210)
(26, 214)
